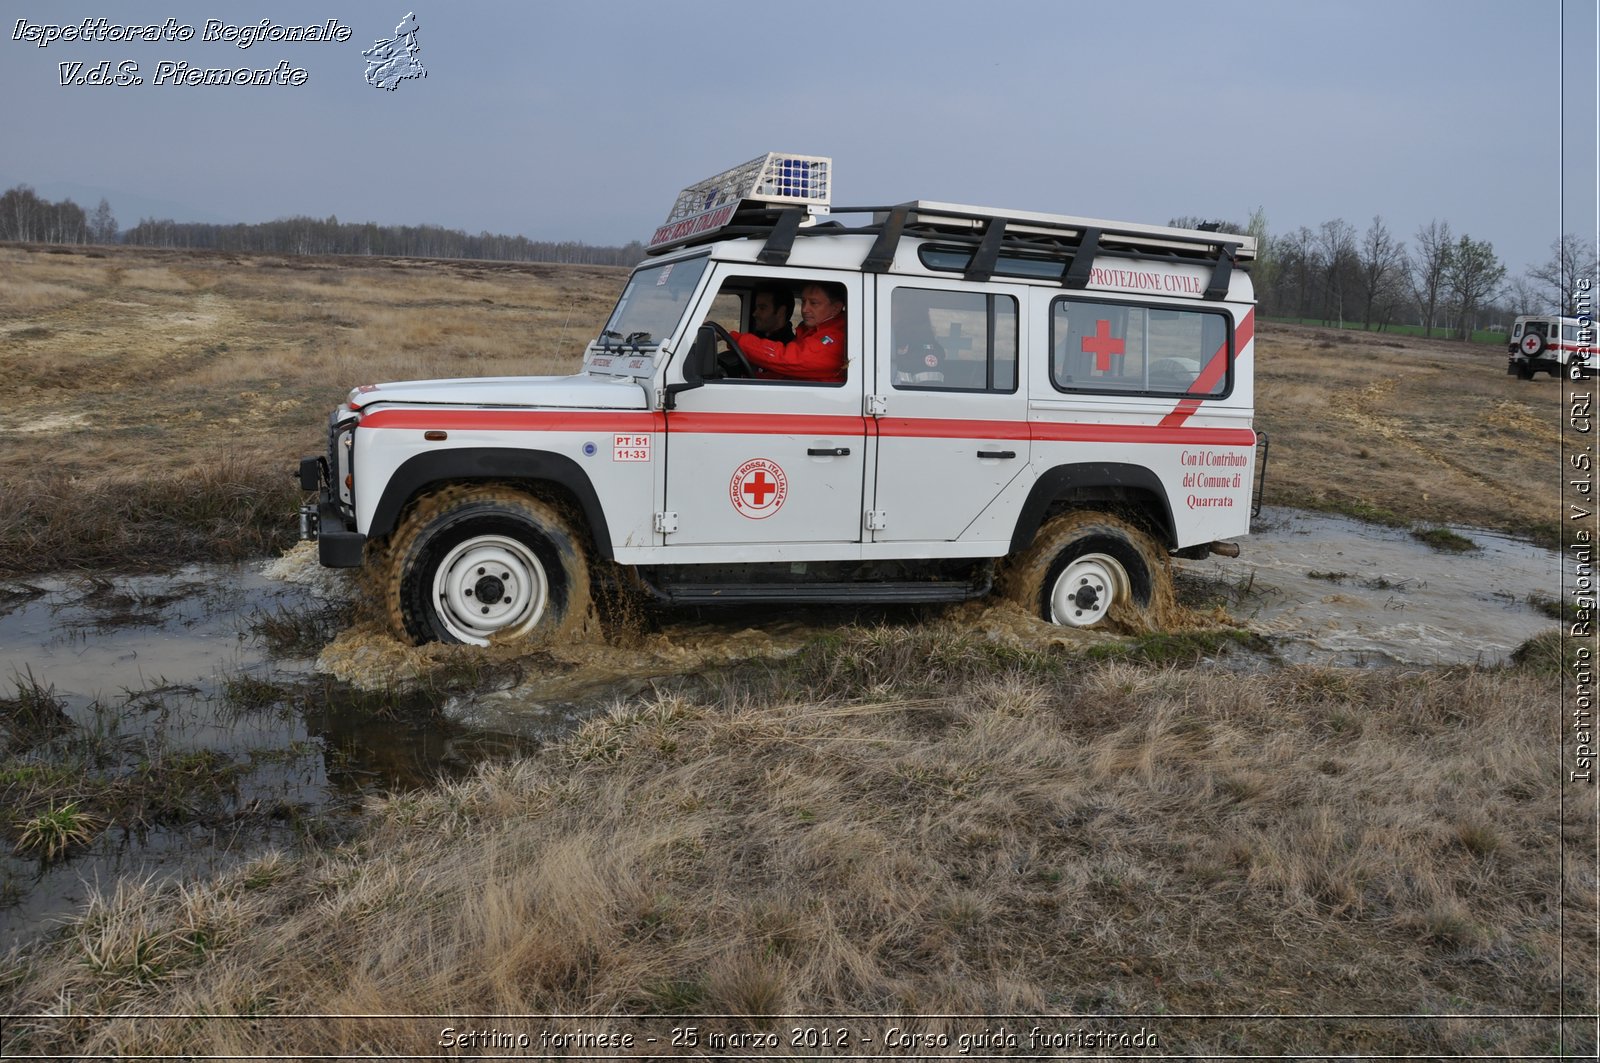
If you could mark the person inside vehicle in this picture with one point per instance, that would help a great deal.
(817, 351)
(918, 358)
(772, 313)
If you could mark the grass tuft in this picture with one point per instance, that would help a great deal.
(1444, 540)
(54, 831)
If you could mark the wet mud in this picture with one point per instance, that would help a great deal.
(1334, 591)
(290, 680)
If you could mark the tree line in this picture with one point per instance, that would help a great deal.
(1443, 282)
(26, 217)
(1335, 273)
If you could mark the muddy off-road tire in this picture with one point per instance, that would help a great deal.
(1091, 570)
(483, 563)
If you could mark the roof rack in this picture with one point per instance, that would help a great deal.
(776, 178)
(1051, 245)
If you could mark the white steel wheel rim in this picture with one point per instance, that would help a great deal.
(467, 575)
(1087, 589)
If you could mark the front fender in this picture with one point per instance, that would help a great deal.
(489, 463)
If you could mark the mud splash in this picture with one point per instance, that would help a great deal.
(1321, 589)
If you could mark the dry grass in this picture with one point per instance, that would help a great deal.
(907, 822)
(1046, 837)
(1427, 431)
(128, 376)
(140, 363)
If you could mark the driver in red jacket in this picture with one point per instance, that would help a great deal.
(817, 351)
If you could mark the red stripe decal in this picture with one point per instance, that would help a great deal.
(799, 424)
(770, 424)
(1143, 433)
(941, 428)
(518, 420)
(1213, 372)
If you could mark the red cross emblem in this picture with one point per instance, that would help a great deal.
(758, 488)
(1102, 345)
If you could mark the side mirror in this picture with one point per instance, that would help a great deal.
(700, 363)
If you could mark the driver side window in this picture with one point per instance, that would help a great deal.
(728, 309)
(765, 316)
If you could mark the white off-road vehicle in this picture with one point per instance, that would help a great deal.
(1048, 404)
(1544, 343)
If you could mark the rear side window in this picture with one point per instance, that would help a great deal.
(952, 341)
(1139, 350)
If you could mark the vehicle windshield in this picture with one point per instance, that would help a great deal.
(652, 304)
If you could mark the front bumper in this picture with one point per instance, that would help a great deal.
(325, 522)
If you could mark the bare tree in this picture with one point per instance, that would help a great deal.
(103, 224)
(1297, 255)
(1428, 268)
(1473, 276)
(21, 212)
(1382, 259)
(1265, 270)
(1571, 259)
(1525, 295)
(1336, 240)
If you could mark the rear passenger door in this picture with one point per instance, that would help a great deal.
(955, 432)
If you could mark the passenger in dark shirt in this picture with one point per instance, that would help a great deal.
(772, 313)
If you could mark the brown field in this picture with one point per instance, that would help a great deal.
(135, 374)
(905, 820)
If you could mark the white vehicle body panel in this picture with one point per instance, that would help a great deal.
(935, 474)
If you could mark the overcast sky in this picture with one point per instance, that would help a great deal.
(561, 120)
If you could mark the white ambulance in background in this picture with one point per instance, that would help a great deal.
(1044, 405)
(1555, 345)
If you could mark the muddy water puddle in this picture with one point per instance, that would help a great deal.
(1334, 591)
(180, 719)
(202, 718)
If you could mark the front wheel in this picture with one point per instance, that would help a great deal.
(1091, 570)
(483, 563)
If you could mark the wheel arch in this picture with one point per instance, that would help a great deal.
(536, 468)
(1130, 488)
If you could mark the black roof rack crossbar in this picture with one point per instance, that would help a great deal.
(984, 259)
(781, 240)
(1221, 273)
(1071, 242)
(881, 257)
(1076, 274)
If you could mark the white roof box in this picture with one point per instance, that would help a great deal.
(780, 178)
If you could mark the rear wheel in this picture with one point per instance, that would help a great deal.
(483, 563)
(1091, 570)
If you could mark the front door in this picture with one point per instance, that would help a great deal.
(769, 461)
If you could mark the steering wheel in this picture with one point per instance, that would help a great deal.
(733, 349)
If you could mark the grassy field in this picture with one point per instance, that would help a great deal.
(902, 820)
(1483, 336)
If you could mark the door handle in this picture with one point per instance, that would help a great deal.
(997, 453)
(828, 452)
